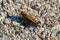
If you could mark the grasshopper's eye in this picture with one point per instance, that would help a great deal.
(21, 12)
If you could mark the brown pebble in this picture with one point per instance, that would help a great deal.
(59, 20)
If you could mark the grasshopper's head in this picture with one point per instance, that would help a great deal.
(23, 13)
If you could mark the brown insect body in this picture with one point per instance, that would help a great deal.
(29, 19)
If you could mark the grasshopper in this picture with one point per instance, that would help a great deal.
(29, 19)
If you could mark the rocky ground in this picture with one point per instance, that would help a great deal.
(46, 11)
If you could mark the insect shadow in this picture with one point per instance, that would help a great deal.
(19, 20)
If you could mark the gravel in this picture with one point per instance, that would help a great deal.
(12, 26)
